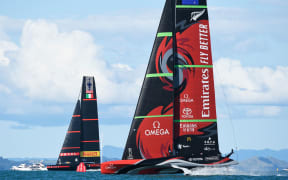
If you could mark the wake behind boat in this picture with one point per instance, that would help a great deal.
(175, 123)
(81, 149)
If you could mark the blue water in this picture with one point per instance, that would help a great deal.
(97, 175)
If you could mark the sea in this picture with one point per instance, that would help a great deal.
(201, 174)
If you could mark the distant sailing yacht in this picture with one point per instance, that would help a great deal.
(82, 139)
(175, 124)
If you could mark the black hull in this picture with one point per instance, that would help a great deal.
(70, 168)
(159, 165)
(62, 169)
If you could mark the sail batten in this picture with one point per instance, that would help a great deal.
(154, 116)
(164, 34)
(159, 75)
(194, 66)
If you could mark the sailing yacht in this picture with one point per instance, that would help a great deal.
(81, 144)
(175, 123)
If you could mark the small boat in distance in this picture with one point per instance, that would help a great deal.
(34, 167)
(175, 124)
(81, 144)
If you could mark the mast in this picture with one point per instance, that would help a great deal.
(90, 148)
(195, 122)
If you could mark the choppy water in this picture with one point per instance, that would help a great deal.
(201, 174)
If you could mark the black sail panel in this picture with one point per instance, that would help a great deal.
(151, 132)
(90, 148)
(70, 151)
(195, 120)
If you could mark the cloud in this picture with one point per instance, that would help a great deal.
(5, 48)
(252, 85)
(120, 66)
(50, 65)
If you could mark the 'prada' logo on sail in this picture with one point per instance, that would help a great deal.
(157, 130)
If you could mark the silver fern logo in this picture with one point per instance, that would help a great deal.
(196, 15)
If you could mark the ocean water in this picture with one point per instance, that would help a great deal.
(195, 175)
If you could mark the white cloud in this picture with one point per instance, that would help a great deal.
(124, 67)
(50, 65)
(6, 47)
(252, 84)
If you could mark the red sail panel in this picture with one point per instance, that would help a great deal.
(194, 104)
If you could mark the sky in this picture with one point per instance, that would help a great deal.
(47, 46)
